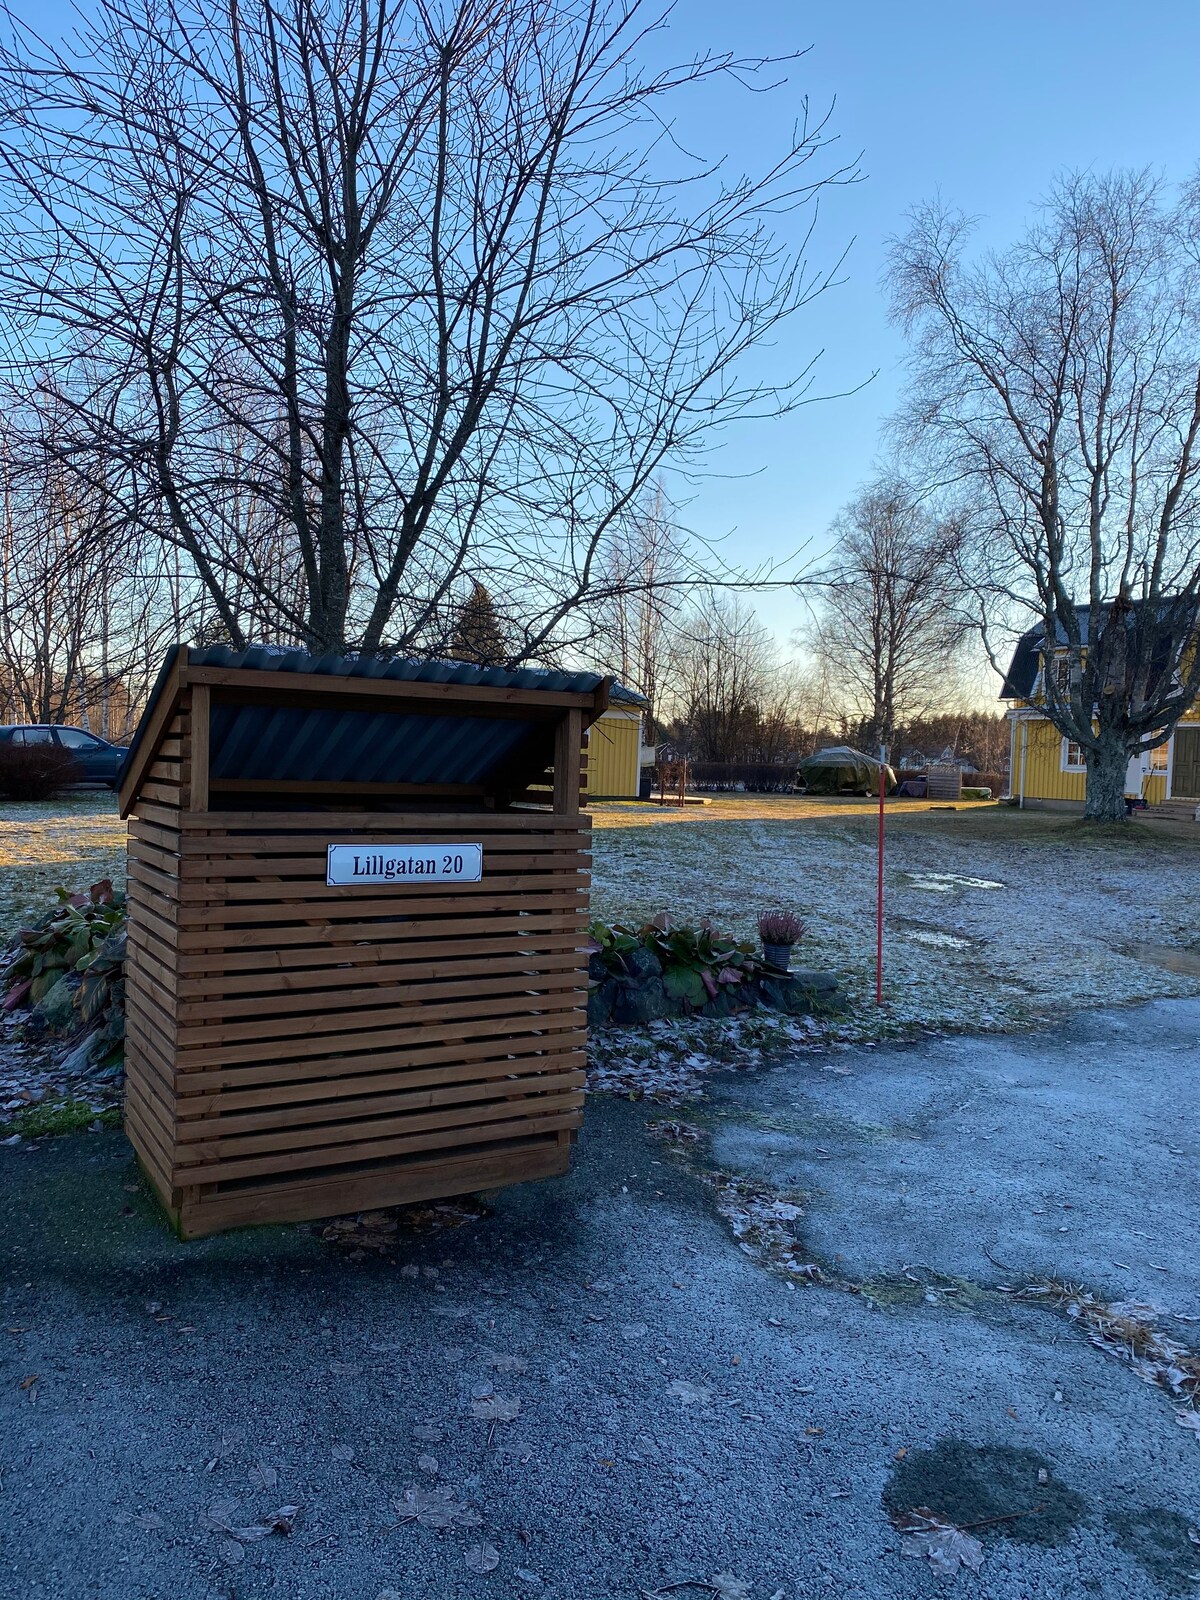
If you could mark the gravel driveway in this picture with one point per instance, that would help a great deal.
(685, 1411)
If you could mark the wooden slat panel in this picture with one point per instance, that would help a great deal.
(304, 1043)
(281, 1094)
(245, 946)
(479, 1132)
(469, 1021)
(550, 953)
(217, 871)
(401, 1182)
(295, 1002)
(549, 898)
(545, 1041)
(294, 893)
(281, 825)
(163, 794)
(308, 1119)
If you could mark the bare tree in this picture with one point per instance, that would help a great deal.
(892, 616)
(419, 286)
(726, 690)
(644, 579)
(1057, 385)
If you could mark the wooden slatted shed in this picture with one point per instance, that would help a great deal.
(358, 895)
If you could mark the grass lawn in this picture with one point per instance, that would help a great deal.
(995, 918)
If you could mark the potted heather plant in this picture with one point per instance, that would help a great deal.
(779, 931)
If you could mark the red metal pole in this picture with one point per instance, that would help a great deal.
(879, 893)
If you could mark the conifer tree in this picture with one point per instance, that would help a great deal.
(478, 635)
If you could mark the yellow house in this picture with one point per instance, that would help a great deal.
(1047, 769)
(614, 747)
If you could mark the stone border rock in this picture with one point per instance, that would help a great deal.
(640, 995)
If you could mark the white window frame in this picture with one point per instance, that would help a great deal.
(1067, 764)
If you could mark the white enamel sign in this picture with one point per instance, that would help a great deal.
(349, 864)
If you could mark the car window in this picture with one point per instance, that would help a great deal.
(76, 739)
(35, 736)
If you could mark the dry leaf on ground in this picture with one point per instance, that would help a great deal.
(689, 1394)
(495, 1407)
(150, 1520)
(436, 1508)
(428, 1464)
(482, 1558)
(503, 1363)
(945, 1546)
(730, 1587)
(263, 1477)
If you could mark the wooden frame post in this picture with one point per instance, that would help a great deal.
(200, 715)
(568, 741)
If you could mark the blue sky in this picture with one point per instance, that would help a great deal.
(983, 104)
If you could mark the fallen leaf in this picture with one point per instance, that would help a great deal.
(689, 1394)
(633, 1330)
(503, 1363)
(428, 1464)
(495, 1407)
(945, 1546)
(263, 1477)
(342, 1452)
(427, 1434)
(730, 1587)
(1189, 1419)
(150, 1520)
(482, 1558)
(28, 1383)
(436, 1508)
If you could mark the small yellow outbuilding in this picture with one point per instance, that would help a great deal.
(614, 748)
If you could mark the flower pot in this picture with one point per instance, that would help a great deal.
(778, 955)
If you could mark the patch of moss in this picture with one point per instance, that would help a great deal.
(51, 1117)
(1160, 1540)
(973, 1485)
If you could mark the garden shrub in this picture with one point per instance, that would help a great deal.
(70, 970)
(35, 771)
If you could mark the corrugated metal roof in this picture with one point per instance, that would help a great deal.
(326, 745)
(335, 744)
(271, 658)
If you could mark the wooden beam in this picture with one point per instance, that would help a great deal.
(151, 733)
(291, 786)
(568, 738)
(200, 710)
(331, 686)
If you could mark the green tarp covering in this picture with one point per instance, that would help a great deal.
(842, 770)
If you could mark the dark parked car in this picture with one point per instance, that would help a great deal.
(99, 761)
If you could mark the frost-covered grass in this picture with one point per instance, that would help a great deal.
(995, 918)
(1058, 930)
(72, 841)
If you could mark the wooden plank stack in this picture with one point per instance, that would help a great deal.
(298, 1050)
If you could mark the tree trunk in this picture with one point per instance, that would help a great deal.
(1106, 768)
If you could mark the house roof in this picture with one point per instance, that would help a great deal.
(1023, 669)
(332, 719)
